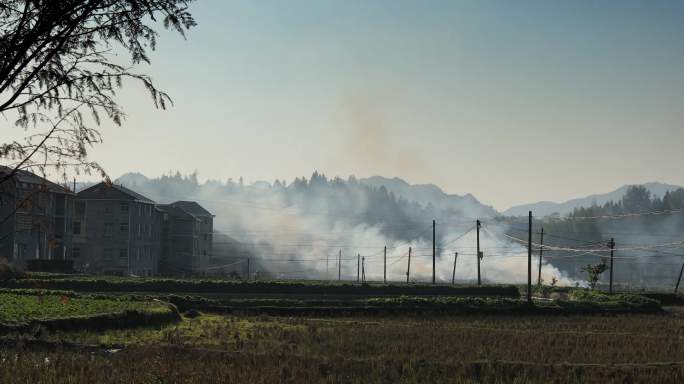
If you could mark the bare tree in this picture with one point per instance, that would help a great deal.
(59, 76)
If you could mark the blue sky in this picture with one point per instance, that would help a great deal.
(513, 101)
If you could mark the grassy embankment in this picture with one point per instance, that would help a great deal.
(22, 311)
(86, 283)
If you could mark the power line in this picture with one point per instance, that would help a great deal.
(619, 216)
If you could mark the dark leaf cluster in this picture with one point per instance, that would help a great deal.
(60, 72)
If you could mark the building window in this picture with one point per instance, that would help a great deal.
(123, 227)
(76, 253)
(77, 227)
(123, 207)
(80, 208)
(140, 208)
(22, 251)
(108, 229)
(60, 204)
(139, 229)
(205, 237)
(108, 208)
(137, 254)
(107, 254)
(25, 205)
(150, 211)
(123, 253)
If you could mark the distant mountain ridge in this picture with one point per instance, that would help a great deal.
(545, 208)
(423, 194)
(432, 194)
(468, 205)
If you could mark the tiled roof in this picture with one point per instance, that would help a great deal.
(192, 208)
(22, 176)
(132, 195)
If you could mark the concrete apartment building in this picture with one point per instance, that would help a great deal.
(35, 217)
(104, 229)
(116, 231)
(187, 235)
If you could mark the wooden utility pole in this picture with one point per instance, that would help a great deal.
(363, 269)
(453, 274)
(479, 254)
(433, 251)
(339, 265)
(541, 249)
(408, 267)
(384, 266)
(611, 244)
(679, 278)
(327, 275)
(529, 259)
(248, 268)
(358, 266)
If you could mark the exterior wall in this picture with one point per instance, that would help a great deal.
(117, 237)
(7, 204)
(187, 242)
(205, 240)
(145, 240)
(108, 230)
(40, 229)
(178, 255)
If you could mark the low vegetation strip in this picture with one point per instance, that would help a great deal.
(585, 304)
(257, 287)
(21, 312)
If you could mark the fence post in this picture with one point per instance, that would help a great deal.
(679, 278)
(433, 250)
(358, 266)
(529, 259)
(541, 248)
(363, 269)
(611, 244)
(408, 268)
(384, 266)
(479, 254)
(453, 274)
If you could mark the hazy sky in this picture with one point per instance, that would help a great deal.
(513, 101)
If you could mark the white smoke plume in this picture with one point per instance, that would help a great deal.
(298, 231)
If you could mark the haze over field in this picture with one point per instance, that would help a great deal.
(371, 191)
(296, 229)
(514, 102)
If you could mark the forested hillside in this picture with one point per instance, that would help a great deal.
(648, 232)
(313, 218)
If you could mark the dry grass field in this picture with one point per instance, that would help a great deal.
(391, 349)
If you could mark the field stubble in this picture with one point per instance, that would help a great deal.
(262, 349)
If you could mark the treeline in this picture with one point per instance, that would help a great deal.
(637, 216)
(636, 222)
(637, 199)
(331, 201)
